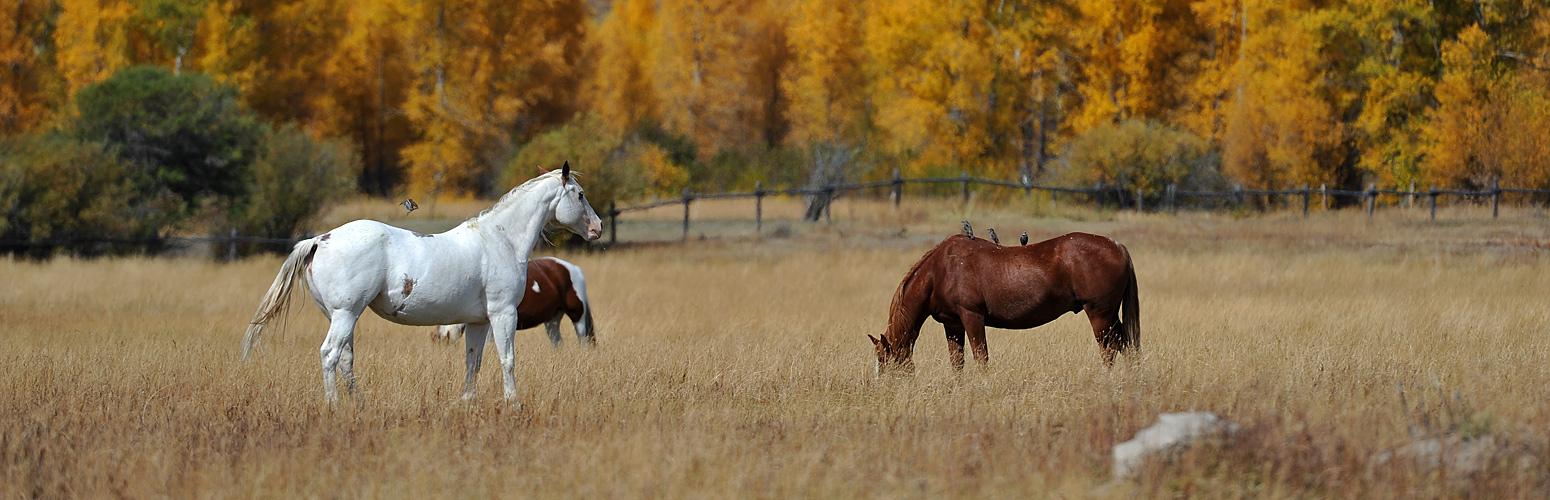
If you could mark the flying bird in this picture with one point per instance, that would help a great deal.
(968, 230)
(993, 238)
(409, 205)
(1025, 237)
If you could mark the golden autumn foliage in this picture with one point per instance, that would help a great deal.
(825, 84)
(619, 89)
(715, 69)
(23, 102)
(92, 40)
(437, 96)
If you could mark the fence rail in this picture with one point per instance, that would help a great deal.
(1170, 199)
(152, 243)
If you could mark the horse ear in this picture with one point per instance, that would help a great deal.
(541, 170)
(565, 171)
(884, 342)
(874, 339)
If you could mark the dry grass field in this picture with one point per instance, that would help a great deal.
(737, 367)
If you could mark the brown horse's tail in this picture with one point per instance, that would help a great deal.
(1130, 309)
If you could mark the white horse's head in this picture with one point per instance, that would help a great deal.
(571, 209)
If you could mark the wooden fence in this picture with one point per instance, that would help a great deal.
(155, 244)
(1168, 200)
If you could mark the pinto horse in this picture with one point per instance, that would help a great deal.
(555, 289)
(470, 274)
(968, 284)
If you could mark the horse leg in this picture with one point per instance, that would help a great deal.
(341, 326)
(974, 329)
(473, 338)
(552, 327)
(955, 346)
(1106, 330)
(347, 364)
(581, 319)
(504, 327)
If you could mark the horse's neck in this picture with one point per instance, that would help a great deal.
(521, 221)
(905, 317)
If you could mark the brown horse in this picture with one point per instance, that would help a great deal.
(555, 289)
(968, 284)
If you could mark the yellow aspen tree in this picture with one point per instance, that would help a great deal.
(824, 82)
(619, 90)
(1207, 94)
(365, 83)
(23, 103)
(296, 40)
(1462, 124)
(487, 71)
(228, 45)
(931, 80)
(1138, 56)
(716, 71)
(429, 31)
(170, 25)
(1281, 130)
(92, 40)
(1033, 54)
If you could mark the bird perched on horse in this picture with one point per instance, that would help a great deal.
(968, 284)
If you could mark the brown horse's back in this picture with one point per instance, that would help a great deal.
(1018, 287)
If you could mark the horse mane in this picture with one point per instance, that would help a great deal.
(511, 196)
(897, 310)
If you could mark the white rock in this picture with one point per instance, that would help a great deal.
(1454, 454)
(1172, 433)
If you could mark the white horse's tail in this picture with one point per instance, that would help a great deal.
(277, 299)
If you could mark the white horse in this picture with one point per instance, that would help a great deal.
(556, 289)
(473, 274)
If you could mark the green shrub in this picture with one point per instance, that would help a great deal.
(291, 182)
(1139, 155)
(591, 150)
(57, 189)
(189, 133)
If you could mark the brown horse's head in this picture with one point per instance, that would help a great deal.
(891, 358)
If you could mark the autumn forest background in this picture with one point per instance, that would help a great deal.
(130, 117)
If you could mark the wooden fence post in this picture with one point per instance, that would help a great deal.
(1324, 197)
(758, 207)
(687, 199)
(1168, 197)
(898, 188)
(1098, 195)
(231, 255)
(1412, 194)
(613, 223)
(1434, 202)
(1140, 208)
(965, 177)
(1496, 195)
(1305, 195)
(1372, 198)
(1237, 195)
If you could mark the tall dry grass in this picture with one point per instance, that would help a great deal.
(737, 367)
